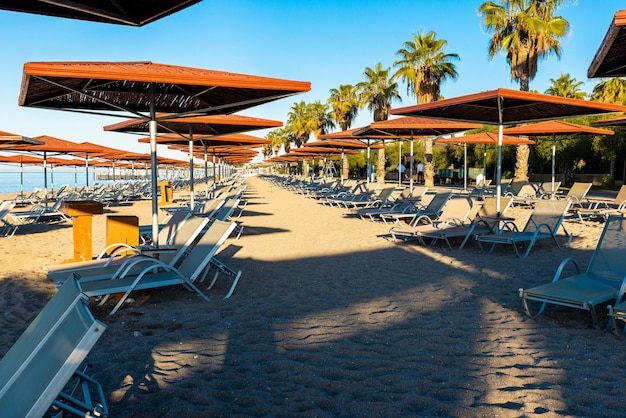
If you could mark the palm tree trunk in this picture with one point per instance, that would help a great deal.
(380, 167)
(522, 153)
(429, 172)
(345, 168)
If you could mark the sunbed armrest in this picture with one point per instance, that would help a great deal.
(564, 263)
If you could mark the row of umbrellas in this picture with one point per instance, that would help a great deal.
(154, 95)
(501, 107)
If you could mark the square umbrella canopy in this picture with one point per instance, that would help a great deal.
(617, 121)
(482, 138)
(205, 143)
(343, 145)
(357, 134)
(610, 59)
(506, 107)
(14, 139)
(125, 12)
(189, 126)
(406, 127)
(553, 128)
(48, 144)
(145, 88)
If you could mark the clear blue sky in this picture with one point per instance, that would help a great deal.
(325, 42)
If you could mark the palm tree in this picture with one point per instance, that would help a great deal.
(612, 90)
(299, 123)
(565, 86)
(345, 105)
(377, 92)
(279, 137)
(321, 119)
(267, 149)
(527, 31)
(424, 65)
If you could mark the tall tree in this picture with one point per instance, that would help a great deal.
(279, 137)
(299, 123)
(377, 92)
(267, 150)
(424, 65)
(527, 31)
(566, 86)
(320, 118)
(609, 147)
(345, 105)
(612, 90)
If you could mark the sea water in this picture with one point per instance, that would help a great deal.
(14, 182)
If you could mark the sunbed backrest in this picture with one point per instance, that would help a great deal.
(621, 195)
(608, 258)
(199, 257)
(489, 207)
(548, 212)
(40, 363)
(169, 230)
(578, 191)
(456, 208)
(438, 201)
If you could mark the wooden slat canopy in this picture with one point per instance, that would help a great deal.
(124, 12)
(96, 87)
(610, 59)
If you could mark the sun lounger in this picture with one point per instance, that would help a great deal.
(167, 230)
(7, 228)
(454, 213)
(577, 194)
(602, 208)
(158, 274)
(186, 236)
(485, 221)
(544, 222)
(400, 204)
(47, 355)
(603, 281)
(431, 210)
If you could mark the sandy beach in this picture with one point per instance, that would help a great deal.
(330, 319)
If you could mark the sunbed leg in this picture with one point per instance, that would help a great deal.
(594, 316)
(232, 287)
(527, 308)
(612, 325)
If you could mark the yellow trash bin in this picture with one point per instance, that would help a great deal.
(167, 194)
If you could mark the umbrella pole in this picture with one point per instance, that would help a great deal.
(21, 180)
(191, 180)
(367, 169)
(465, 167)
(214, 172)
(45, 179)
(411, 168)
(499, 170)
(499, 159)
(206, 172)
(553, 162)
(485, 163)
(400, 163)
(87, 170)
(153, 166)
